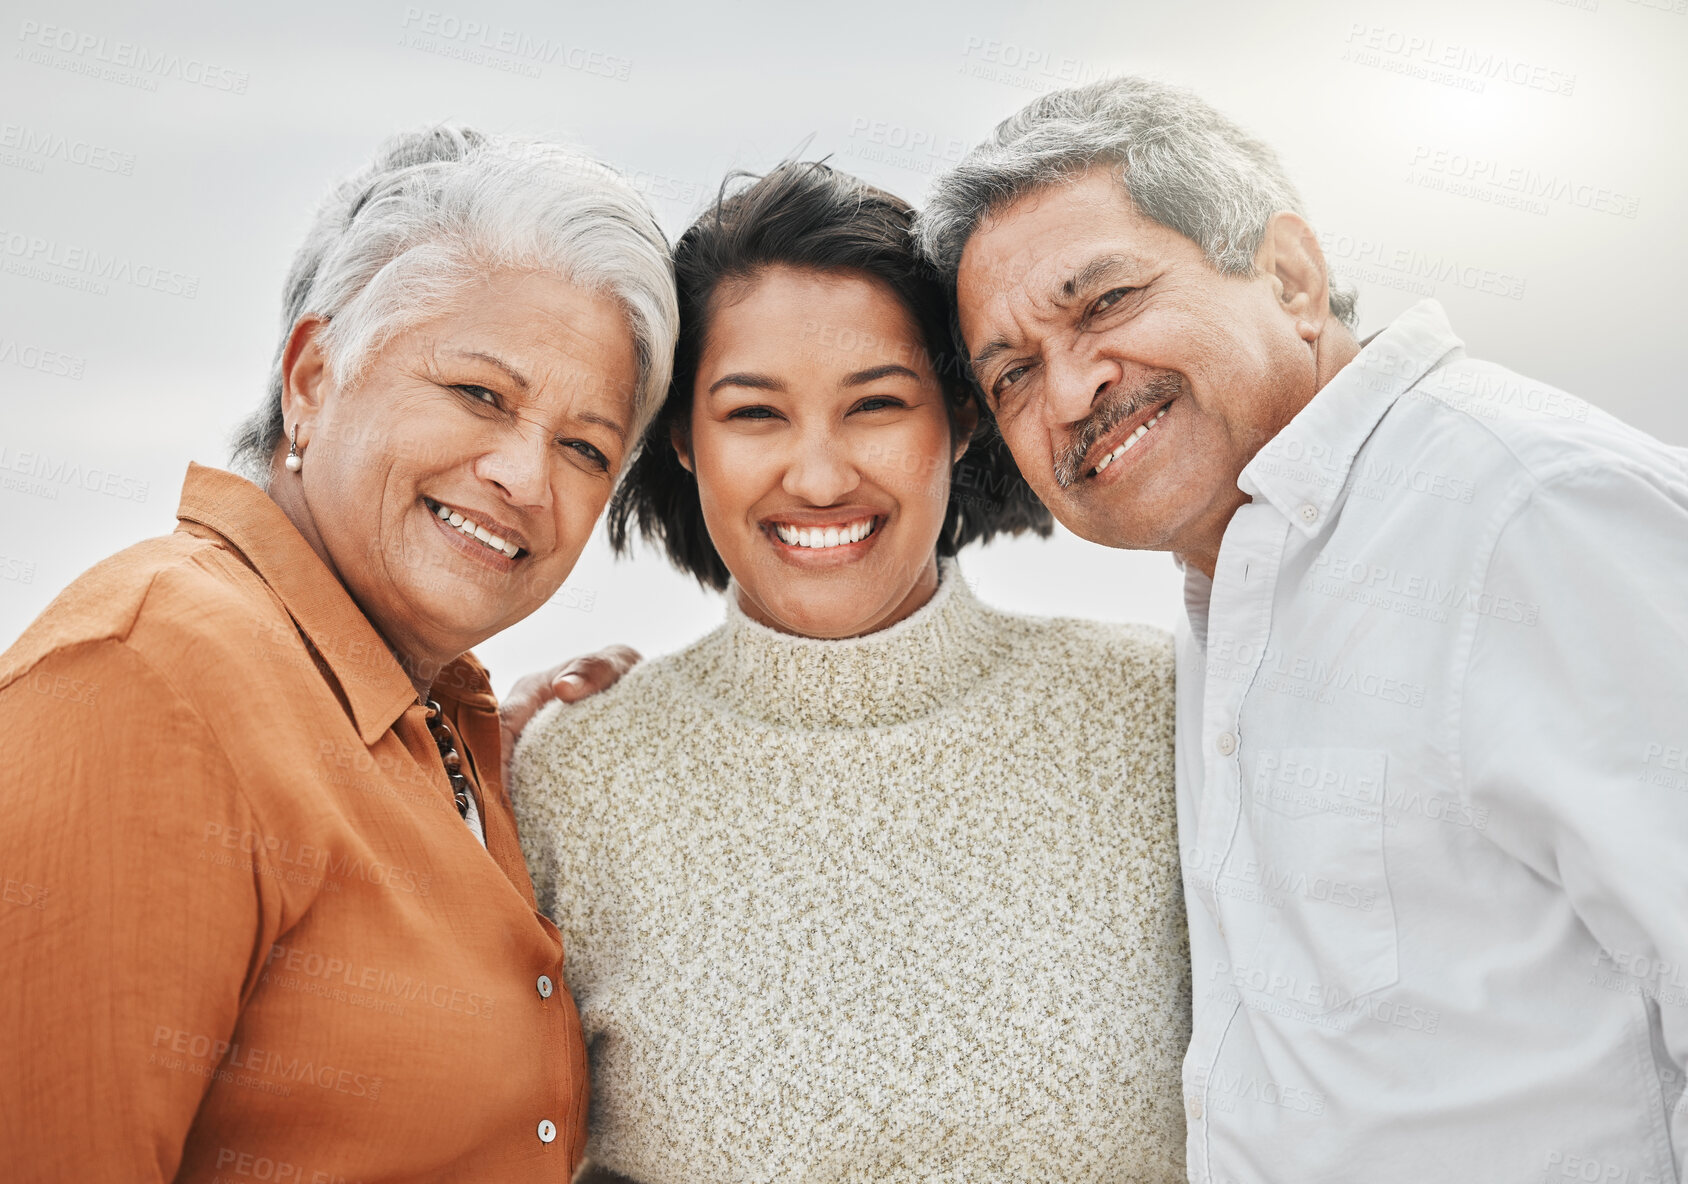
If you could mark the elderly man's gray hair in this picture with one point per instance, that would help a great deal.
(442, 208)
(1182, 163)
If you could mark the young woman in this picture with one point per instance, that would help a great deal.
(873, 882)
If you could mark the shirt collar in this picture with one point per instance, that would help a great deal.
(1303, 470)
(375, 686)
(1198, 595)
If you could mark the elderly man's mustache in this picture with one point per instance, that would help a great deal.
(1115, 407)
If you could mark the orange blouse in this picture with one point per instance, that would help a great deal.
(246, 935)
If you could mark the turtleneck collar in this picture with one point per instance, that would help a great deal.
(921, 664)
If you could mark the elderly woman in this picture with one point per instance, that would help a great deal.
(873, 883)
(278, 925)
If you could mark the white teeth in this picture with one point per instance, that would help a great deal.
(474, 530)
(819, 538)
(1142, 430)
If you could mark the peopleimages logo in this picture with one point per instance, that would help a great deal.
(39, 146)
(1506, 183)
(43, 361)
(1025, 66)
(76, 265)
(919, 150)
(1436, 59)
(50, 472)
(127, 61)
(510, 50)
(1382, 262)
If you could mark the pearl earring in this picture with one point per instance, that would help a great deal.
(294, 461)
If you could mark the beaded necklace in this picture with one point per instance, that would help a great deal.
(447, 742)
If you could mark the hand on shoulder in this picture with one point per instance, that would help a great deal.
(569, 682)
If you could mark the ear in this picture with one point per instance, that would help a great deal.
(1290, 257)
(682, 448)
(305, 377)
(966, 421)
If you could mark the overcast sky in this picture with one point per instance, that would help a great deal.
(1528, 151)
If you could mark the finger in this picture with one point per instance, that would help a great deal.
(588, 675)
(623, 657)
(576, 680)
(529, 693)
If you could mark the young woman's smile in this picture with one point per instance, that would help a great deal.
(836, 538)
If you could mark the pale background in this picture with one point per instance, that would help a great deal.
(1378, 108)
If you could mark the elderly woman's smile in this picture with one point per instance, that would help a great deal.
(455, 477)
(504, 541)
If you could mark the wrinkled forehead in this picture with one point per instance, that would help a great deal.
(1030, 273)
(1035, 254)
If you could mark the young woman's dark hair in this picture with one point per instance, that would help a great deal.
(811, 216)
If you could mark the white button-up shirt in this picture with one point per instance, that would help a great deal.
(1433, 789)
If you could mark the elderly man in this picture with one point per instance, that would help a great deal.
(1433, 688)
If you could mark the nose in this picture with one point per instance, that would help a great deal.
(1074, 382)
(820, 470)
(517, 464)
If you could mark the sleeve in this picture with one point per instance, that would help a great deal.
(1575, 720)
(129, 921)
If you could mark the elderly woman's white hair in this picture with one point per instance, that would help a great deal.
(1181, 162)
(444, 207)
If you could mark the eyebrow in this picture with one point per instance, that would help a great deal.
(764, 382)
(985, 355)
(875, 373)
(514, 375)
(1098, 270)
(756, 382)
(620, 429)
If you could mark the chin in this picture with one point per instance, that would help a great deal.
(818, 616)
(1135, 519)
(464, 619)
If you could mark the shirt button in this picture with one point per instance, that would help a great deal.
(1195, 1108)
(1309, 513)
(547, 1130)
(544, 986)
(1226, 743)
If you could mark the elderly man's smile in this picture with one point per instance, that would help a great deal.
(1125, 440)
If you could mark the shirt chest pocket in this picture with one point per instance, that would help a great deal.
(1307, 881)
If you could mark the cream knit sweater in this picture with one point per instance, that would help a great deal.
(904, 907)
